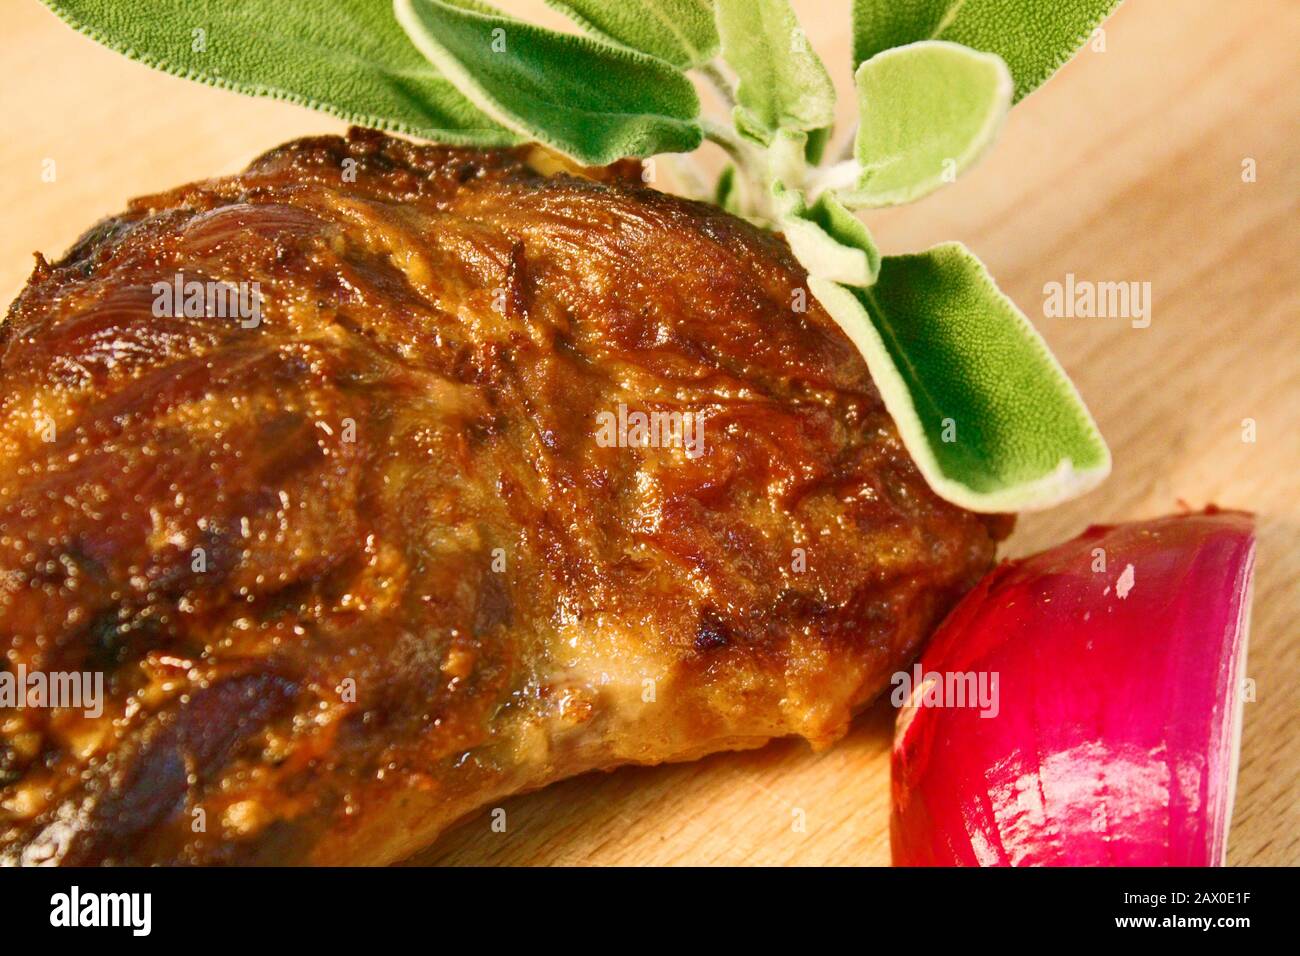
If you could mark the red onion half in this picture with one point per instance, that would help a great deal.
(1117, 662)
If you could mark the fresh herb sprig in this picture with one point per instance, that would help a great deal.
(986, 412)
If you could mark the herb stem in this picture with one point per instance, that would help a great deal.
(719, 82)
(749, 165)
(725, 137)
(841, 175)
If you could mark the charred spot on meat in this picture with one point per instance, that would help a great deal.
(360, 567)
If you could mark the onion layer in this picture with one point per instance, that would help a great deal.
(1117, 660)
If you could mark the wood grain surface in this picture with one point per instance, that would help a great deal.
(1127, 166)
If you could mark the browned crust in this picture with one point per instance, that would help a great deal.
(470, 318)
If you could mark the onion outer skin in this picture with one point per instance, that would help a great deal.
(1118, 723)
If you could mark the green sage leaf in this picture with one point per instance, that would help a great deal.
(679, 31)
(783, 83)
(983, 407)
(828, 240)
(348, 58)
(928, 110)
(594, 101)
(1034, 37)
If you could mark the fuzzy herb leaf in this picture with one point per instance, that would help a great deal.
(344, 57)
(927, 111)
(679, 31)
(827, 239)
(591, 100)
(982, 405)
(783, 83)
(1034, 37)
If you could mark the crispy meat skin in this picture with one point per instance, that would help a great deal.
(362, 569)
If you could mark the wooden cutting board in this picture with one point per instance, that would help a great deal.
(1127, 166)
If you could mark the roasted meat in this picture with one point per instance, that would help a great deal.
(384, 537)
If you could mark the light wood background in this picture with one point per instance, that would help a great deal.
(1127, 166)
